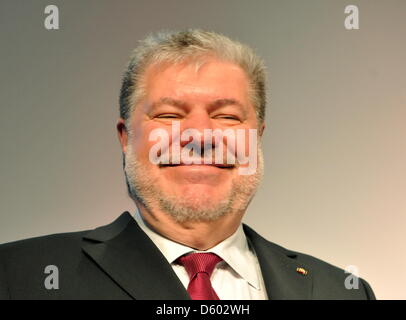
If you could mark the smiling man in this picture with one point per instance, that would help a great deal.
(192, 110)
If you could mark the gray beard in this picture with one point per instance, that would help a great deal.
(143, 188)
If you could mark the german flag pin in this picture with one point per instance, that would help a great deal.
(302, 271)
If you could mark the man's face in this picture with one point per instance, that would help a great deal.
(213, 97)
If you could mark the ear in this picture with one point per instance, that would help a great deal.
(122, 133)
(261, 128)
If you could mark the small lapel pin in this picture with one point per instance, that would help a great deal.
(302, 271)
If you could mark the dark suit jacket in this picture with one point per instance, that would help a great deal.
(119, 261)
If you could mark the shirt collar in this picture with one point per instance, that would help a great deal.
(234, 251)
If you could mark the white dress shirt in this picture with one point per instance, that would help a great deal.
(237, 277)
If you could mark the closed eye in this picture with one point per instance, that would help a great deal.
(168, 116)
(227, 117)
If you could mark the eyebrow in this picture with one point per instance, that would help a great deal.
(212, 105)
(224, 102)
(169, 101)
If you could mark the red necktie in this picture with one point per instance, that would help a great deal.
(199, 267)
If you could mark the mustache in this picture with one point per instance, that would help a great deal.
(195, 153)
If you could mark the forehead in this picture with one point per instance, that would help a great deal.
(214, 79)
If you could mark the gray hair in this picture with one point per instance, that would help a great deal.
(195, 46)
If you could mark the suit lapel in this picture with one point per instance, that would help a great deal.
(132, 260)
(278, 267)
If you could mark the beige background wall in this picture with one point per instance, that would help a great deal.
(335, 143)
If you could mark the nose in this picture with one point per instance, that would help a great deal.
(195, 124)
(198, 120)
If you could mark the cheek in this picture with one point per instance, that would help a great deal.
(245, 140)
(147, 140)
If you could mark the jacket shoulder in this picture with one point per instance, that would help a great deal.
(22, 255)
(330, 277)
(329, 281)
(24, 263)
(27, 267)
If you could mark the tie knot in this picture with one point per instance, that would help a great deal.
(199, 262)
